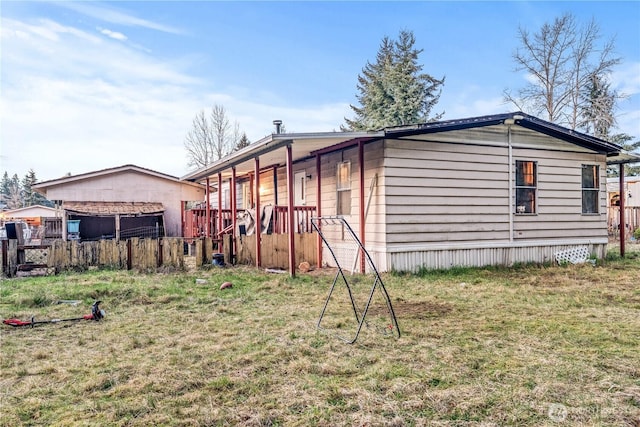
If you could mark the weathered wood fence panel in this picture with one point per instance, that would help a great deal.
(135, 253)
(173, 253)
(9, 257)
(275, 249)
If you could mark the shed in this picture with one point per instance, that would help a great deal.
(127, 199)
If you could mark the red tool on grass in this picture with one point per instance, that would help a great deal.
(96, 314)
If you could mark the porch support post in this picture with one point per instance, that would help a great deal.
(117, 227)
(256, 190)
(233, 209)
(275, 185)
(318, 210)
(218, 236)
(290, 216)
(207, 229)
(362, 202)
(622, 200)
(183, 206)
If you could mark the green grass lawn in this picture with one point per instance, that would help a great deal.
(526, 346)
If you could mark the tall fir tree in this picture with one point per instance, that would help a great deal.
(27, 192)
(5, 188)
(29, 195)
(394, 91)
(243, 142)
(14, 198)
(597, 112)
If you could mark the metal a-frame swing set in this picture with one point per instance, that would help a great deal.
(358, 310)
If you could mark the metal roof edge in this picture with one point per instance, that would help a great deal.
(519, 118)
(266, 144)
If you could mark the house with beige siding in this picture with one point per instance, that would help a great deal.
(121, 202)
(491, 190)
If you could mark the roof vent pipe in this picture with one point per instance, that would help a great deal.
(277, 124)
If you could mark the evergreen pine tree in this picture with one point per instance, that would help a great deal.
(27, 192)
(598, 105)
(5, 188)
(243, 142)
(394, 91)
(14, 198)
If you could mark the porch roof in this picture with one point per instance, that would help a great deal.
(272, 151)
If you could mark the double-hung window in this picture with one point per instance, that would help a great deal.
(343, 187)
(590, 189)
(526, 186)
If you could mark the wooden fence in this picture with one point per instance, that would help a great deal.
(134, 253)
(275, 249)
(632, 220)
(151, 254)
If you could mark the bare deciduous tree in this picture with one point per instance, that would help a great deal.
(560, 61)
(211, 137)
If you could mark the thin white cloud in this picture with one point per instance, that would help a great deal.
(114, 16)
(74, 102)
(626, 79)
(113, 34)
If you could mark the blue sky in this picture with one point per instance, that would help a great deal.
(93, 85)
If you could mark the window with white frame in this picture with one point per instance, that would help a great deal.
(590, 189)
(343, 188)
(526, 186)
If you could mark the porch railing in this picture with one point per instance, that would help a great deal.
(301, 218)
(195, 221)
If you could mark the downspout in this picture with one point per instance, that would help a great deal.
(510, 157)
(291, 220)
(361, 190)
(256, 189)
(318, 209)
(622, 216)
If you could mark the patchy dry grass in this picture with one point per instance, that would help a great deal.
(525, 346)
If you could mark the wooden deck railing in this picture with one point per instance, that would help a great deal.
(195, 221)
(301, 218)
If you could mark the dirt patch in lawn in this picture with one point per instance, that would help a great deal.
(416, 309)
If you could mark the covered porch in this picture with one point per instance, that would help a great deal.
(249, 193)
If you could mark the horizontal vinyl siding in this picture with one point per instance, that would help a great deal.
(438, 192)
(448, 200)
(375, 221)
(559, 197)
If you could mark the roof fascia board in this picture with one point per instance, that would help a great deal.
(518, 118)
(267, 144)
(573, 137)
(346, 144)
(235, 159)
(448, 126)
